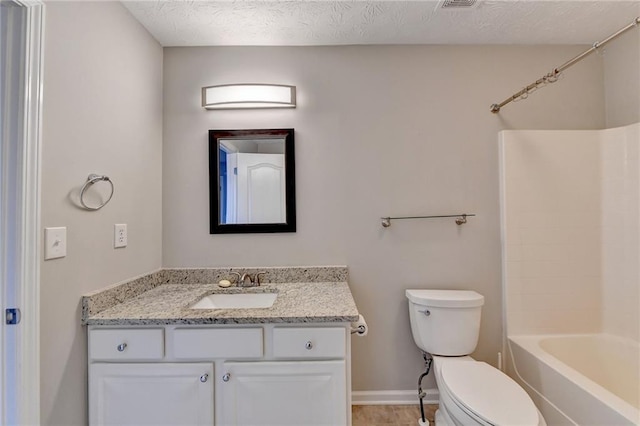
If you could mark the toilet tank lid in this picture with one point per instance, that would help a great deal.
(446, 298)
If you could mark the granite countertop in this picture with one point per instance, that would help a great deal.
(166, 302)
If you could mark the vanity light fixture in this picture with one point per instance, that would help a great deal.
(244, 96)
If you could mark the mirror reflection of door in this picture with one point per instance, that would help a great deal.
(252, 181)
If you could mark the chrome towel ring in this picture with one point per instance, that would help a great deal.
(93, 178)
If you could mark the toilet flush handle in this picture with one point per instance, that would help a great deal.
(425, 312)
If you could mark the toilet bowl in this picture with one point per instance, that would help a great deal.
(475, 393)
(446, 324)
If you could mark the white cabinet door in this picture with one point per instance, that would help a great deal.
(284, 393)
(151, 394)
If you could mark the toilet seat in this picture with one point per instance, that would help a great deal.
(487, 394)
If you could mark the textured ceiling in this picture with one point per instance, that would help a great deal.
(295, 23)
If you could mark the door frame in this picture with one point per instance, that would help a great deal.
(23, 343)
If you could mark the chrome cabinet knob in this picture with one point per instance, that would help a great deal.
(226, 377)
(309, 345)
(204, 378)
(122, 347)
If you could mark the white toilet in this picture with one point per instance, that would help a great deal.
(446, 324)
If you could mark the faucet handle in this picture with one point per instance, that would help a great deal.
(257, 280)
(237, 274)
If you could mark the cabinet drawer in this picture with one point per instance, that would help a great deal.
(218, 343)
(126, 344)
(318, 342)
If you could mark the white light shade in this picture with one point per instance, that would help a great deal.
(235, 96)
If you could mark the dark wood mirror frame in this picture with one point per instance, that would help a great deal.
(216, 225)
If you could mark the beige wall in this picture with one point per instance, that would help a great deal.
(102, 114)
(622, 79)
(393, 130)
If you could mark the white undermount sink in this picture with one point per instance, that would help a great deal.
(236, 301)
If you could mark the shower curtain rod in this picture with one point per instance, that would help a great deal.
(552, 77)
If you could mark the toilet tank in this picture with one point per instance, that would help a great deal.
(445, 322)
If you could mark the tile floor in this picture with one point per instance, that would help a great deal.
(387, 415)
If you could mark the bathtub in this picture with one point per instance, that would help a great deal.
(587, 379)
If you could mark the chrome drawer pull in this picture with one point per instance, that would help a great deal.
(226, 377)
(204, 378)
(309, 345)
(122, 347)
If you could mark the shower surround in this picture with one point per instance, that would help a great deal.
(570, 243)
(570, 231)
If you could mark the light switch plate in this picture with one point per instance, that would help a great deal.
(55, 242)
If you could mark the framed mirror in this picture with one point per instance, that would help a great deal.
(252, 181)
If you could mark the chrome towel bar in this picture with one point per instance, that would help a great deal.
(460, 218)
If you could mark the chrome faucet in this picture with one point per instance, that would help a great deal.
(245, 280)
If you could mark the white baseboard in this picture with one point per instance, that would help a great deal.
(393, 397)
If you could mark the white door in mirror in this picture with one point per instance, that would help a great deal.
(261, 188)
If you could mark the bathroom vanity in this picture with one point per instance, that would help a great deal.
(153, 359)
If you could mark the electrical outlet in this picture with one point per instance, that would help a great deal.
(55, 242)
(119, 235)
